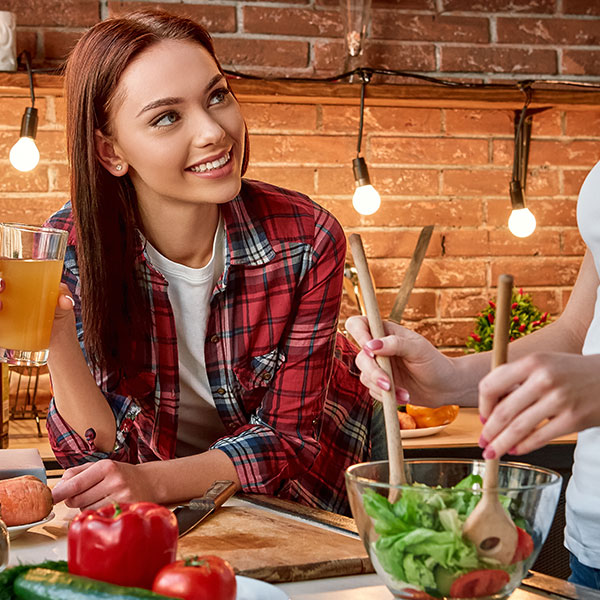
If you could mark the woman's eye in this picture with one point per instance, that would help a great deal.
(165, 120)
(219, 96)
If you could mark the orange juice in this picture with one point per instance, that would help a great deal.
(28, 302)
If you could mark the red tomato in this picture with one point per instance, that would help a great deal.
(197, 578)
(475, 584)
(414, 594)
(524, 546)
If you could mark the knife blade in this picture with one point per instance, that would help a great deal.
(197, 509)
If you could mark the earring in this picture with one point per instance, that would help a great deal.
(119, 167)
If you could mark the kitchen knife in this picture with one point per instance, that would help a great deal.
(190, 514)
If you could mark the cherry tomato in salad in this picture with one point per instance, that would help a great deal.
(197, 578)
(524, 546)
(475, 584)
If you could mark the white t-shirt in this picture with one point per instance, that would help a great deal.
(190, 291)
(582, 534)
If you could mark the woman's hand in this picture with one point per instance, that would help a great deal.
(95, 483)
(422, 374)
(527, 403)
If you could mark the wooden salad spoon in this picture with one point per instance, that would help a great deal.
(390, 405)
(489, 526)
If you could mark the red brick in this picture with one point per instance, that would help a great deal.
(465, 242)
(55, 13)
(16, 181)
(479, 122)
(509, 6)
(292, 21)
(393, 25)
(498, 60)
(392, 181)
(376, 119)
(32, 210)
(241, 52)
(580, 7)
(412, 57)
(452, 272)
(58, 44)
(280, 117)
(445, 333)
(298, 149)
(572, 244)
(559, 212)
(566, 294)
(546, 300)
(462, 302)
(535, 271)
(580, 62)
(568, 153)
(284, 1)
(552, 31)
(295, 178)
(59, 178)
(215, 18)
(52, 146)
(541, 181)
(428, 151)
(399, 243)
(393, 4)
(11, 113)
(583, 123)
(475, 182)
(540, 242)
(572, 180)
(27, 40)
(420, 305)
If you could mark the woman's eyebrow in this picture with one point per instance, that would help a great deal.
(171, 101)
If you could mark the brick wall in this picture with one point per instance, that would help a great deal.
(449, 167)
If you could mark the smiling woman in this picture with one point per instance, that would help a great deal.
(196, 335)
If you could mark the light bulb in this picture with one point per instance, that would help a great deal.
(24, 155)
(521, 222)
(366, 200)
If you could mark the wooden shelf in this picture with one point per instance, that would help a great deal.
(303, 92)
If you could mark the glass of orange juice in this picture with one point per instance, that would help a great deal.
(31, 264)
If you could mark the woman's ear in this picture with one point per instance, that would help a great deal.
(108, 155)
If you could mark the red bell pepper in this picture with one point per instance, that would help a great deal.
(126, 544)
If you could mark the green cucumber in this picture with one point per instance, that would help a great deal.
(44, 584)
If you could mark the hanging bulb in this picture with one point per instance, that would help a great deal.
(521, 222)
(366, 199)
(24, 155)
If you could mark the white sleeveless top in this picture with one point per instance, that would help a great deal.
(582, 534)
(190, 291)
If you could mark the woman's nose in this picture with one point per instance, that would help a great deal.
(207, 130)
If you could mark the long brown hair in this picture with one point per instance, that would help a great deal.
(114, 299)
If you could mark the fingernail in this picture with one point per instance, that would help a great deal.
(489, 454)
(384, 384)
(368, 352)
(482, 419)
(402, 396)
(482, 443)
(374, 345)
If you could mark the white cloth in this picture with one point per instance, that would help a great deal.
(190, 291)
(582, 535)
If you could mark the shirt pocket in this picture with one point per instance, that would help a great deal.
(259, 371)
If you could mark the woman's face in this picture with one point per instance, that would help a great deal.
(177, 128)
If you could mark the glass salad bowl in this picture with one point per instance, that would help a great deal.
(413, 532)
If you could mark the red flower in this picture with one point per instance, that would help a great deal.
(490, 318)
(522, 327)
(475, 337)
(544, 317)
(514, 305)
(516, 319)
(491, 304)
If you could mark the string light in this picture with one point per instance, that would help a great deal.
(366, 199)
(24, 155)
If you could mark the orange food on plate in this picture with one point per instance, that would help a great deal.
(24, 499)
(406, 421)
(432, 417)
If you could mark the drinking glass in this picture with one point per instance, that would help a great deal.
(31, 264)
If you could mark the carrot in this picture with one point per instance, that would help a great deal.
(24, 500)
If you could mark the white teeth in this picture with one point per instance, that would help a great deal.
(209, 166)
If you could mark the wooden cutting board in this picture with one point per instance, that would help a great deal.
(273, 547)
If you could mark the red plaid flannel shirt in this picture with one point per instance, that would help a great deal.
(282, 377)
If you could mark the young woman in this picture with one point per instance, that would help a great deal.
(206, 305)
(544, 394)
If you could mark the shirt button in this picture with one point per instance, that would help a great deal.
(266, 376)
(221, 391)
(214, 338)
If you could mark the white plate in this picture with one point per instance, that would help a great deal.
(16, 530)
(422, 431)
(254, 589)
